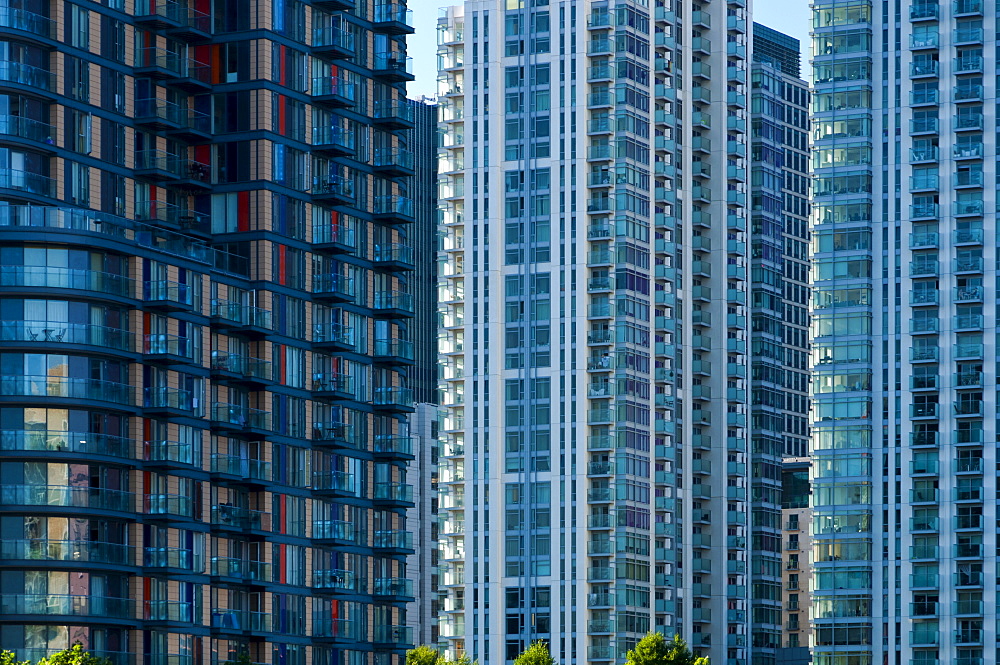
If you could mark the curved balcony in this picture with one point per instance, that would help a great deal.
(38, 604)
(72, 388)
(28, 129)
(27, 75)
(74, 279)
(66, 496)
(71, 551)
(56, 441)
(28, 182)
(60, 332)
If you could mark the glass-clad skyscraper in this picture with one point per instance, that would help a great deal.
(594, 180)
(205, 213)
(904, 338)
(779, 294)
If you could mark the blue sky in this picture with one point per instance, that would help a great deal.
(788, 16)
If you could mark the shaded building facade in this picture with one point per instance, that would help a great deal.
(205, 259)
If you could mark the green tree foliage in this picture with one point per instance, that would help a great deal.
(536, 654)
(75, 655)
(424, 655)
(7, 658)
(654, 649)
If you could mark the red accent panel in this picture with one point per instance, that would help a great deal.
(282, 261)
(243, 210)
(281, 115)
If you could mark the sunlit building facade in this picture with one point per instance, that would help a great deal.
(904, 342)
(594, 299)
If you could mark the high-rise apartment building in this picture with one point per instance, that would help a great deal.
(779, 372)
(796, 519)
(904, 341)
(594, 303)
(205, 339)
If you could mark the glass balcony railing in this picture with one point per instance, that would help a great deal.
(393, 205)
(69, 333)
(240, 518)
(393, 539)
(241, 620)
(336, 481)
(170, 451)
(344, 580)
(77, 551)
(173, 557)
(392, 12)
(243, 315)
(162, 397)
(66, 496)
(162, 112)
(391, 444)
(74, 388)
(242, 416)
(393, 62)
(394, 109)
(168, 345)
(393, 396)
(85, 443)
(393, 300)
(395, 635)
(393, 586)
(247, 569)
(245, 467)
(176, 64)
(334, 530)
(173, 12)
(168, 504)
(334, 333)
(397, 492)
(333, 37)
(65, 605)
(335, 87)
(66, 278)
(27, 75)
